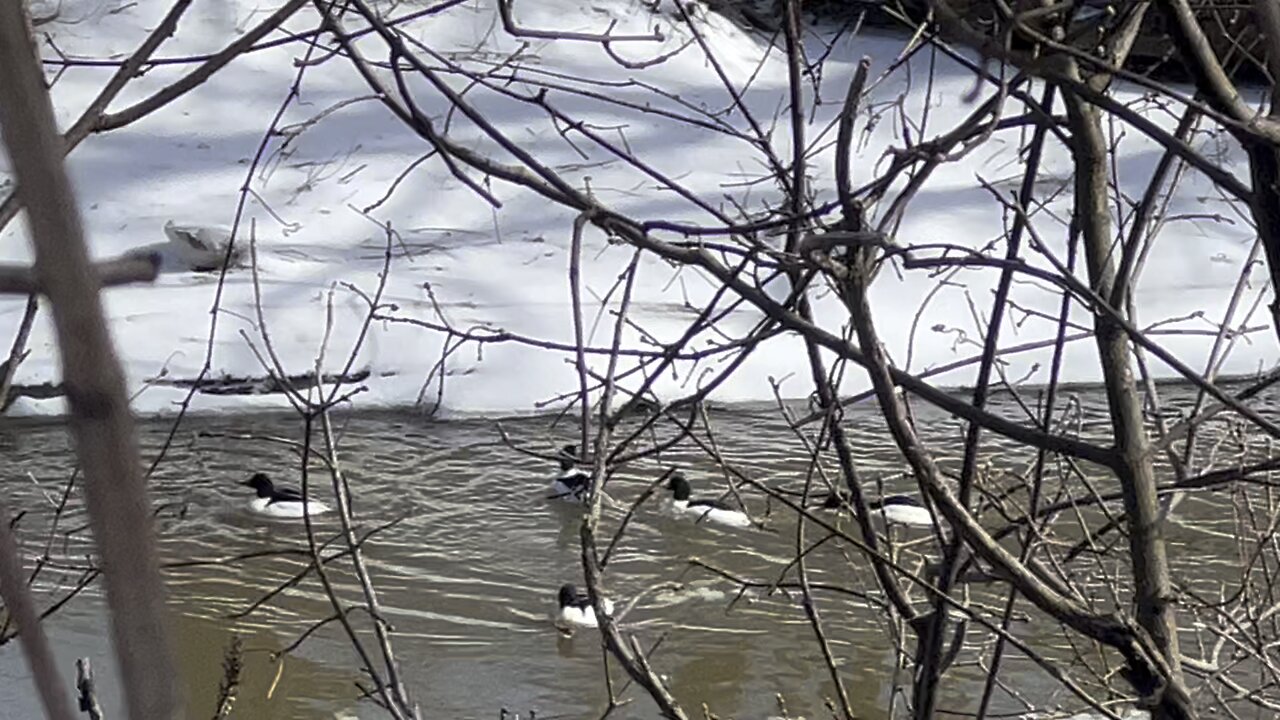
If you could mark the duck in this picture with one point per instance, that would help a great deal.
(570, 485)
(903, 510)
(280, 502)
(201, 248)
(576, 610)
(713, 511)
(896, 509)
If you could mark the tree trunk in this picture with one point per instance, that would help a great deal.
(1134, 468)
(101, 422)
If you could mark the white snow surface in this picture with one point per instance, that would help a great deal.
(506, 268)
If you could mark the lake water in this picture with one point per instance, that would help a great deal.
(468, 578)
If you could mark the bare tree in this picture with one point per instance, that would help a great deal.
(1023, 515)
(843, 244)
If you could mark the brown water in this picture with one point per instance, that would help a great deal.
(468, 579)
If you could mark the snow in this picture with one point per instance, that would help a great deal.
(506, 268)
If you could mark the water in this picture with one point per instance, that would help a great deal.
(468, 577)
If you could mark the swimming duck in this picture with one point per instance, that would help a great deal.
(896, 509)
(903, 510)
(701, 510)
(279, 502)
(576, 610)
(570, 485)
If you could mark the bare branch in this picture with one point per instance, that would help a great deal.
(21, 280)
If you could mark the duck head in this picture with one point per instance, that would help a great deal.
(678, 486)
(568, 457)
(568, 595)
(261, 483)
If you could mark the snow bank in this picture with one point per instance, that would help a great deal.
(506, 268)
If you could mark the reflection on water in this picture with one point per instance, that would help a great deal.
(468, 578)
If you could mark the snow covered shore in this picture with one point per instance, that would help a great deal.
(317, 202)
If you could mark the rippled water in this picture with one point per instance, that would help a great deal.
(468, 578)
